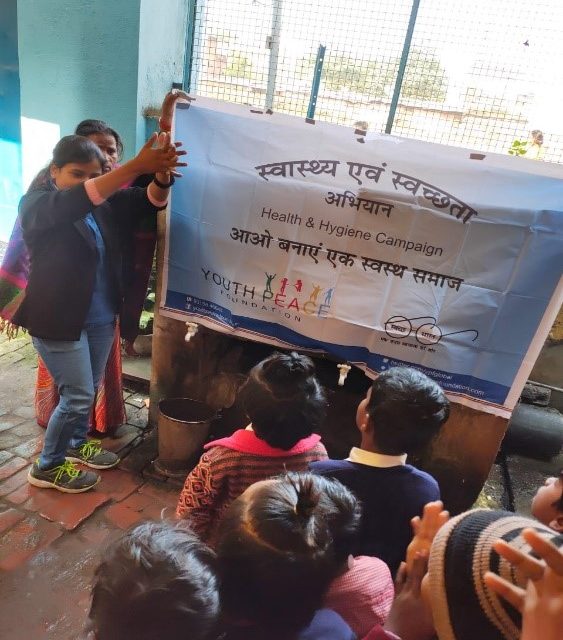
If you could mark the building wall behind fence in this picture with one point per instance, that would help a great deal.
(479, 74)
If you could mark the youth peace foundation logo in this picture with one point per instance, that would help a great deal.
(279, 294)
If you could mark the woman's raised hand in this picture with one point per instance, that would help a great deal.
(162, 158)
(158, 155)
(167, 114)
(168, 106)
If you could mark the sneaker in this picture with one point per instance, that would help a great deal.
(92, 455)
(65, 477)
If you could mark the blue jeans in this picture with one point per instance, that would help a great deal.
(77, 368)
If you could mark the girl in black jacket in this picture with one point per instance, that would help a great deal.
(75, 228)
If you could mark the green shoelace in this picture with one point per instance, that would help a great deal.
(90, 449)
(66, 468)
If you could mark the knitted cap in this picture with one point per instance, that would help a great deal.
(463, 607)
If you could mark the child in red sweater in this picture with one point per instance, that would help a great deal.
(285, 404)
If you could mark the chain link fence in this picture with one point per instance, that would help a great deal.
(481, 74)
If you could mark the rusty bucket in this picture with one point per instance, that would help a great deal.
(183, 427)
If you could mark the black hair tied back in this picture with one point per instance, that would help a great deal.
(76, 149)
(288, 367)
(307, 498)
(90, 127)
(283, 399)
(301, 364)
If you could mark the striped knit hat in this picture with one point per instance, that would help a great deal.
(463, 607)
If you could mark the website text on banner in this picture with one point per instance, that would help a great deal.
(377, 250)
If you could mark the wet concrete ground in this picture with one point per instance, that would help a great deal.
(50, 542)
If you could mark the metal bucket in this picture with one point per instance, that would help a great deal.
(183, 427)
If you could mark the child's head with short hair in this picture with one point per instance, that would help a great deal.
(547, 504)
(402, 412)
(280, 544)
(283, 399)
(157, 581)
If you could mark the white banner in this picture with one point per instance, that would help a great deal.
(375, 249)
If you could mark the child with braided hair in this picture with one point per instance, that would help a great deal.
(285, 405)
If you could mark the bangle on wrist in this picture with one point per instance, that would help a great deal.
(161, 185)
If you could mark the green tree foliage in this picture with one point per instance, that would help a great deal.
(425, 78)
(238, 66)
(360, 76)
(518, 147)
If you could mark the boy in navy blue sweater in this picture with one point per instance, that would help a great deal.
(401, 413)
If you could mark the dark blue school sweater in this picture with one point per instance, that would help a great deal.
(325, 625)
(390, 497)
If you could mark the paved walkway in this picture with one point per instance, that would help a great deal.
(50, 542)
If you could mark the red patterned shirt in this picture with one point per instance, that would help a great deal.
(229, 466)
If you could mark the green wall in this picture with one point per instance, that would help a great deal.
(78, 59)
(10, 135)
(106, 59)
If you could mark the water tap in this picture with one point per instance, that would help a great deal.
(192, 330)
(344, 369)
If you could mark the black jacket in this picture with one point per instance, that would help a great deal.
(63, 254)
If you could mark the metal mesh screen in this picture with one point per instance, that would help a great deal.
(478, 74)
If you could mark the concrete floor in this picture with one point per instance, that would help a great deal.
(526, 476)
